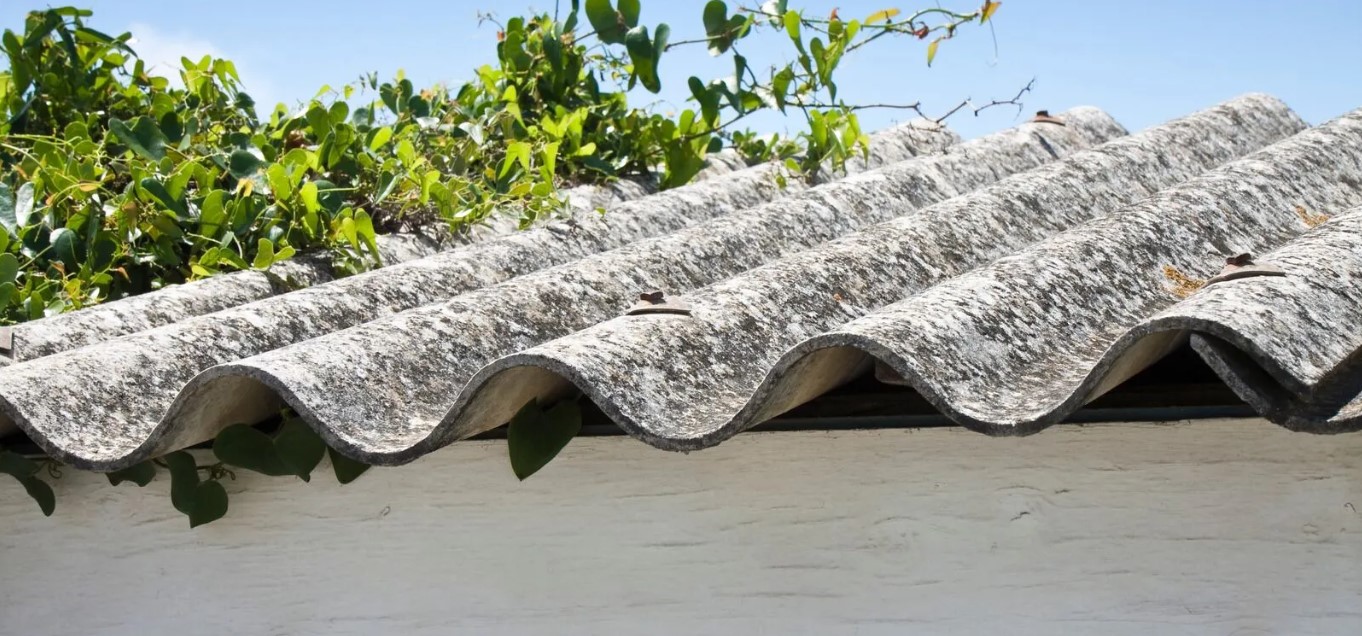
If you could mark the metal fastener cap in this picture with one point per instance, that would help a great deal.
(1242, 266)
(656, 302)
(1043, 117)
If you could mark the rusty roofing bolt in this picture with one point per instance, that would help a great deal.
(1242, 266)
(1043, 117)
(656, 302)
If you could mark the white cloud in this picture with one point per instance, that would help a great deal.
(161, 52)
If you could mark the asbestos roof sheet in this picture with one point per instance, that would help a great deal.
(1009, 279)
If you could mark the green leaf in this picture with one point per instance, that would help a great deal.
(594, 162)
(25, 471)
(63, 243)
(364, 227)
(605, 20)
(308, 193)
(212, 214)
(318, 119)
(184, 480)
(643, 56)
(708, 100)
(264, 254)
(144, 137)
(17, 465)
(51, 20)
(340, 140)
(247, 447)
(853, 28)
(629, 11)
(295, 450)
(140, 474)
(158, 191)
(418, 106)
(210, 504)
(201, 501)
(9, 268)
(299, 448)
(792, 29)
(281, 182)
(780, 86)
(7, 208)
(103, 253)
(516, 152)
(41, 493)
(820, 58)
(24, 206)
(380, 137)
(818, 129)
(171, 127)
(338, 113)
(346, 469)
(243, 163)
(660, 37)
(931, 50)
(535, 436)
(715, 17)
(331, 197)
(571, 22)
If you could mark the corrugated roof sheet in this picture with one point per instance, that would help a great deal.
(1009, 279)
(140, 313)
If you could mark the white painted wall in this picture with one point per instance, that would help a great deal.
(1228, 527)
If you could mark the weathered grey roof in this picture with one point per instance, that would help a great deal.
(1009, 279)
(139, 313)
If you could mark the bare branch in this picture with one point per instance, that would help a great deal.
(916, 107)
(1014, 101)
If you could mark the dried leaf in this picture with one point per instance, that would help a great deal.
(1310, 219)
(881, 16)
(1183, 284)
(990, 7)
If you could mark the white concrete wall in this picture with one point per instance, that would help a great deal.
(1230, 527)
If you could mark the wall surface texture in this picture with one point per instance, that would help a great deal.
(1210, 527)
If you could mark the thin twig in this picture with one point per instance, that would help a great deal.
(915, 106)
(706, 39)
(1014, 101)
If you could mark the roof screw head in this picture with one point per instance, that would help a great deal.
(1044, 117)
(656, 302)
(1242, 266)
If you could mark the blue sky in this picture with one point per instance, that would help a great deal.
(1142, 61)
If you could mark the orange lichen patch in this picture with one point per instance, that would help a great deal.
(1309, 218)
(1183, 285)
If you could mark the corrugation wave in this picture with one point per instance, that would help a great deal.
(1108, 268)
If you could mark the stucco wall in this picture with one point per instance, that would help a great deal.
(1220, 527)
